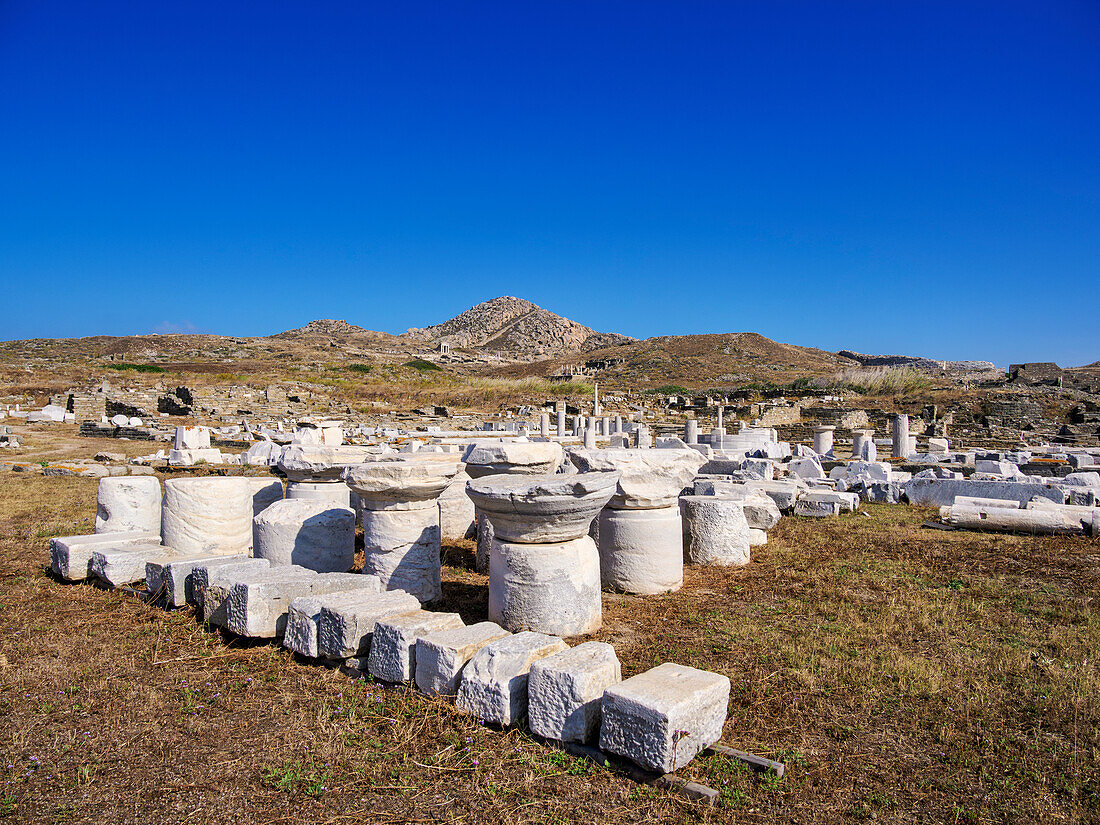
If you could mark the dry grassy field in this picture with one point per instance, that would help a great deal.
(901, 674)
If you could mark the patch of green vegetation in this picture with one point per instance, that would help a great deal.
(422, 365)
(127, 367)
(360, 368)
(670, 389)
(296, 776)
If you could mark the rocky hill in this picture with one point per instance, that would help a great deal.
(515, 327)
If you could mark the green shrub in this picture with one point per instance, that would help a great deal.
(123, 366)
(422, 365)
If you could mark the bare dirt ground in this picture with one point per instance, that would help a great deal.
(901, 674)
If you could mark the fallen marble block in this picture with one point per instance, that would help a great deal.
(715, 531)
(819, 503)
(441, 655)
(126, 504)
(494, 683)
(70, 555)
(662, 718)
(925, 491)
(212, 576)
(302, 632)
(757, 538)
(172, 577)
(393, 648)
(347, 620)
(258, 600)
(973, 501)
(564, 691)
(118, 566)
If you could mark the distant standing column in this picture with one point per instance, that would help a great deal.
(606, 426)
(901, 436)
(691, 431)
(859, 441)
(590, 436)
(618, 423)
(823, 440)
(561, 422)
(544, 425)
(641, 437)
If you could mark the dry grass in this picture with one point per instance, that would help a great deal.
(901, 674)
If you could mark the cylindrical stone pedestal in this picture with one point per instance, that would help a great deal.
(401, 547)
(590, 436)
(823, 440)
(207, 515)
(547, 588)
(641, 551)
(618, 423)
(901, 436)
(561, 422)
(715, 531)
(691, 431)
(128, 503)
(317, 535)
(544, 425)
(606, 426)
(265, 492)
(859, 439)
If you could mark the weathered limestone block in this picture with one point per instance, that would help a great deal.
(973, 501)
(304, 615)
(125, 565)
(757, 469)
(806, 468)
(70, 555)
(173, 577)
(347, 620)
(757, 537)
(128, 504)
(211, 578)
(648, 479)
(927, 491)
(192, 438)
(823, 503)
(715, 530)
(402, 548)
(494, 683)
(193, 458)
(512, 457)
(335, 493)
(548, 588)
(312, 534)
(662, 718)
(441, 655)
(564, 691)
(207, 515)
(265, 492)
(542, 508)
(393, 649)
(258, 600)
(642, 551)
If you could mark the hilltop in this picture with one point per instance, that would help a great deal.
(514, 326)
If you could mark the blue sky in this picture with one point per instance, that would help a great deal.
(889, 177)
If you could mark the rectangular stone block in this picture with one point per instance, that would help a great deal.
(347, 620)
(564, 691)
(441, 655)
(662, 718)
(70, 555)
(118, 566)
(393, 648)
(304, 615)
(172, 577)
(258, 600)
(494, 683)
(210, 583)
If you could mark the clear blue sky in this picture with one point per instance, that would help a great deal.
(890, 177)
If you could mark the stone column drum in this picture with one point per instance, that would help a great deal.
(207, 515)
(544, 569)
(401, 535)
(823, 440)
(640, 532)
(715, 531)
(508, 458)
(128, 503)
